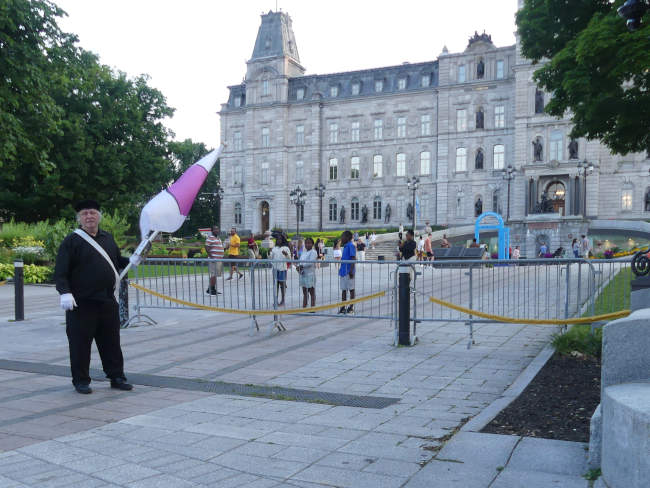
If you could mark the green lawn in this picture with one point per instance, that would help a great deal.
(616, 295)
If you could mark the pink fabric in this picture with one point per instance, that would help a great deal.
(187, 186)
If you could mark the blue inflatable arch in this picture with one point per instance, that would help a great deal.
(503, 232)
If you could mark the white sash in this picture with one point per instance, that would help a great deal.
(101, 251)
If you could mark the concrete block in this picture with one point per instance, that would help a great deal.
(549, 456)
(595, 439)
(640, 294)
(626, 343)
(626, 435)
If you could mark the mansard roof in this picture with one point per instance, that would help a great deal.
(275, 38)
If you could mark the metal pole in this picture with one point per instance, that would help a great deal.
(297, 219)
(413, 210)
(508, 211)
(320, 210)
(584, 196)
(404, 306)
(19, 290)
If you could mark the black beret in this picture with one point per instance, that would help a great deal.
(86, 204)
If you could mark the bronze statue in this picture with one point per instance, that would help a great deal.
(387, 214)
(342, 215)
(364, 214)
(573, 149)
(647, 201)
(480, 69)
(479, 119)
(478, 161)
(537, 149)
(409, 211)
(478, 207)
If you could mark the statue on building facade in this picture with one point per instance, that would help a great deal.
(387, 214)
(364, 214)
(478, 161)
(537, 149)
(479, 37)
(539, 101)
(409, 211)
(479, 118)
(573, 149)
(478, 207)
(480, 69)
(647, 201)
(544, 205)
(342, 215)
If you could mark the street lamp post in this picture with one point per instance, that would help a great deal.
(321, 193)
(508, 175)
(412, 184)
(217, 194)
(297, 197)
(584, 168)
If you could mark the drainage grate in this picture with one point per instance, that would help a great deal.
(218, 387)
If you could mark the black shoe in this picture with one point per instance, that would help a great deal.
(350, 310)
(342, 310)
(121, 384)
(212, 292)
(83, 389)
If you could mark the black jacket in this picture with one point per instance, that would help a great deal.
(82, 271)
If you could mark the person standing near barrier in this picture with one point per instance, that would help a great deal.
(427, 247)
(233, 252)
(575, 247)
(280, 254)
(516, 253)
(253, 250)
(308, 273)
(86, 276)
(409, 246)
(361, 248)
(214, 248)
(346, 271)
(400, 234)
(586, 247)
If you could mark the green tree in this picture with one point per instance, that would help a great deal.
(596, 69)
(205, 210)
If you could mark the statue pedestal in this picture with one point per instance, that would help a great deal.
(267, 243)
(640, 296)
(553, 229)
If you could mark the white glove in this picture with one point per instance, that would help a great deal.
(135, 259)
(67, 301)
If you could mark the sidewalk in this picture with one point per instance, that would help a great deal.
(408, 433)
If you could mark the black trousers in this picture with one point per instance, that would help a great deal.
(99, 321)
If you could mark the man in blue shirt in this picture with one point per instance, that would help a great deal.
(346, 271)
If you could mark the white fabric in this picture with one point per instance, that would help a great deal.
(311, 255)
(161, 213)
(67, 301)
(209, 159)
(100, 250)
(277, 255)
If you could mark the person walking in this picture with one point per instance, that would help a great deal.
(233, 252)
(361, 248)
(373, 238)
(408, 247)
(347, 270)
(86, 276)
(307, 272)
(214, 248)
(516, 253)
(280, 254)
(420, 248)
(586, 247)
(575, 247)
(400, 234)
(428, 250)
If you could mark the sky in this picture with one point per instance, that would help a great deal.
(194, 49)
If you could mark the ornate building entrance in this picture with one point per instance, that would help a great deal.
(556, 193)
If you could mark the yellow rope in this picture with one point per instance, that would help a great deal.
(514, 320)
(288, 311)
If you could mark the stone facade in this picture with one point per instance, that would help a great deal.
(360, 134)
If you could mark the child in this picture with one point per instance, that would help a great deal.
(307, 273)
(280, 254)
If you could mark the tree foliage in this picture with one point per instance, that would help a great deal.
(594, 67)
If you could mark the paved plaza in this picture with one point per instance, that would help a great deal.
(216, 406)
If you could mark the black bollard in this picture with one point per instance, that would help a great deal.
(19, 291)
(404, 306)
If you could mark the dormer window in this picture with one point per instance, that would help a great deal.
(425, 80)
(500, 70)
(401, 83)
(266, 89)
(300, 94)
(356, 88)
(461, 74)
(379, 86)
(334, 91)
(237, 101)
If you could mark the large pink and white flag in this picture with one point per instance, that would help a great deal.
(167, 211)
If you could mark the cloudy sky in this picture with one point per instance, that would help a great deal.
(194, 49)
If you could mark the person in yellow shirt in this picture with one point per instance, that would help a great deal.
(233, 252)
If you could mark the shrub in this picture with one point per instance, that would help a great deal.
(57, 232)
(6, 271)
(117, 225)
(579, 339)
(31, 272)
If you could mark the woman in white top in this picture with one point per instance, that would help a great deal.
(307, 272)
(337, 252)
(280, 254)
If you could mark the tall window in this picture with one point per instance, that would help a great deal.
(461, 119)
(334, 132)
(498, 156)
(461, 73)
(334, 91)
(495, 201)
(334, 168)
(237, 213)
(237, 175)
(354, 167)
(555, 146)
(425, 125)
(265, 137)
(356, 88)
(266, 89)
(401, 84)
(500, 69)
(379, 86)
(265, 173)
(376, 208)
(300, 171)
(461, 159)
(237, 101)
(377, 166)
(379, 129)
(400, 164)
(354, 131)
(236, 141)
(401, 127)
(425, 80)
(354, 209)
(333, 213)
(626, 199)
(300, 135)
(300, 94)
(425, 163)
(499, 117)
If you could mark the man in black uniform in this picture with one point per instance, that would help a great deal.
(408, 247)
(86, 281)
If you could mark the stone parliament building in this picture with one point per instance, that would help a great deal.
(456, 123)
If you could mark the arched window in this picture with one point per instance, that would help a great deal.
(495, 201)
(237, 213)
(376, 208)
(332, 214)
(354, 209)
(334, 168)
(461, 159)
(499, 156)
(555, 146)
